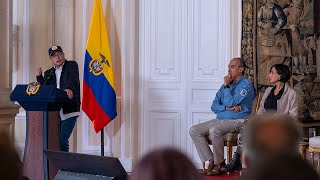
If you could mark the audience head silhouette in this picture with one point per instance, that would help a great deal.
(272, 142)
(272, 133)
(164, 164)
(279, 167)
(10, 168)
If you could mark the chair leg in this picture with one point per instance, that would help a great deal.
(203, 166)
(304, 151)
(312, 159)
(318, 162)
(229, 152)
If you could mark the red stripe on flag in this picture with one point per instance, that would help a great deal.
(93, 110)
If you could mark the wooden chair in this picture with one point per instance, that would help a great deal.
(231, 139)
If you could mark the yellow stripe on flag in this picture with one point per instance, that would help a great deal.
(98, 41)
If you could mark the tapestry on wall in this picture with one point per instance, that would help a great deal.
(287, 32)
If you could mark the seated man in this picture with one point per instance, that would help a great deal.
(232, 104)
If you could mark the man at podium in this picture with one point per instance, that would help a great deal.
(64, 75)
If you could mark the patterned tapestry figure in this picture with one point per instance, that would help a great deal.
(297, 19)
(270, 19)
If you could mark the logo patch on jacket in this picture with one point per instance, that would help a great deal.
(243, 92)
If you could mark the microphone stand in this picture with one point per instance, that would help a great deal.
(49, 76)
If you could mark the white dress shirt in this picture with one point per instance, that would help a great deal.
(58, 76)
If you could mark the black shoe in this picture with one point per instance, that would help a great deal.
(235, 164)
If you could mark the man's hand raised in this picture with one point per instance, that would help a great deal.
(227, 80)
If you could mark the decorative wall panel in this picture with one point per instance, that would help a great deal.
(183, 59)
(203, 96)
(205, 33)
(165, 129)
(165, 49)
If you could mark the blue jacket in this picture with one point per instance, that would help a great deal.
(240, 93)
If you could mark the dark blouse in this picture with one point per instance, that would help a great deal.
(271, 102)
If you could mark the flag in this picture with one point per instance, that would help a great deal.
(99, 97)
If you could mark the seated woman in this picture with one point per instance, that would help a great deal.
(280, 98)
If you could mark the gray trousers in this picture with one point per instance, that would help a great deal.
(215, 129)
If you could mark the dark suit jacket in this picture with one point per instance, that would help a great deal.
(69, 80)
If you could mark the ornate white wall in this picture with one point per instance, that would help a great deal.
(185, 46)
(169, 58)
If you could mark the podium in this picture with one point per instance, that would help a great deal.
(42, 127)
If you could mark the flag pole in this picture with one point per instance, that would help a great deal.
(102, 142)
(98, 60)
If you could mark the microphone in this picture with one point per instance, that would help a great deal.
(52, 71)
